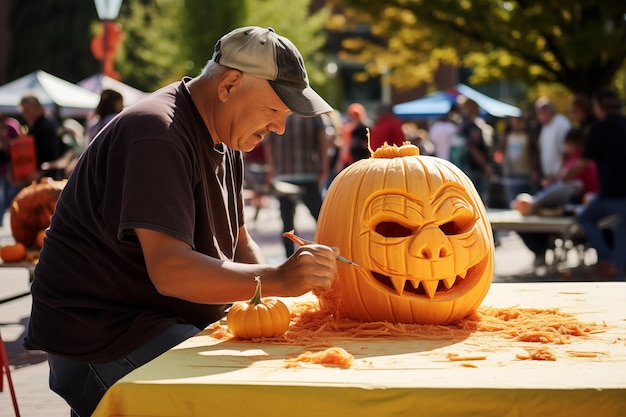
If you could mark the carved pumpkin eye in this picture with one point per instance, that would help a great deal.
(392, 229)
(461, 223)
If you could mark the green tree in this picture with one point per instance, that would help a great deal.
(151, 53)
(203, 23)
(294, 20)
(162, 40)
(580, 44)
(51, 35)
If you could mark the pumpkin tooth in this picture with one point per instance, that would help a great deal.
(398, 284)
(430, 287)
(462, 275)
(415, 283)
(449, 282)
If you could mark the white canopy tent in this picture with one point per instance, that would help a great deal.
(438, 104)
(99, 82)
(54, 94)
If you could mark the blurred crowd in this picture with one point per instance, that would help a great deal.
(536, 163)
(35, 144)
(525, 163)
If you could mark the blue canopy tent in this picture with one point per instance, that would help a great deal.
(439, 103)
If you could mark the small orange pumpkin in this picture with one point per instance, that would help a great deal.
(260, 317)
(32, 209)
(419, 231)
(13, 253)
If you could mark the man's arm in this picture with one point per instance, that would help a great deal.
(176, 270)
(248, 251)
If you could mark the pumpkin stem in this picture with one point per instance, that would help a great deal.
(395, 151)
(256, 298)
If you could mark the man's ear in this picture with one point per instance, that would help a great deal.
(229, 82)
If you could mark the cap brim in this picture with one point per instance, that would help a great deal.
(305, 102)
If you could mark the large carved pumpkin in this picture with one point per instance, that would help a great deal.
(32, 209)
(417, 228)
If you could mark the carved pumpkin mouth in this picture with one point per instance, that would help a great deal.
(402, 285)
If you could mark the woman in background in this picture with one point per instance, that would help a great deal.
(111, 103)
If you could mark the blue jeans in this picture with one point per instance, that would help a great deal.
(83, 384)
(598, 209)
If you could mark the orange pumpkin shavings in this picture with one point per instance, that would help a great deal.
(542, 353)
(310, 324)
(455, 357)
(318, 328)
(579, 354)
(332, 356)
(468, 365)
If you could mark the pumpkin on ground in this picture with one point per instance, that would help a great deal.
(419, 231)
(259, 317)
(32, 209)
(13, 253)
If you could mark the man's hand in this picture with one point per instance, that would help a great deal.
(311, 267)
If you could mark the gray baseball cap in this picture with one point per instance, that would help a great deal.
(265, 54)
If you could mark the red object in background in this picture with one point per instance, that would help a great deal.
(104, 46)
(5, 370)
(23, 157)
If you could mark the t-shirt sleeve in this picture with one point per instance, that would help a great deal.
(157, 191)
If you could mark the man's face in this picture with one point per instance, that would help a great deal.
(255, 110)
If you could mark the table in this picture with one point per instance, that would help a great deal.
(505, 219)
(29, 266)
(565, 228)
(204, 376)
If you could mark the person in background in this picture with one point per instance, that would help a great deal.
(334, 132)
(554, 127)
(566, 189)
(387, 128)
(148, 244)
(581, 113)
(10, 129)
(533, 128)
(418, 137)
(516, 158)
(355, 144)
(479, 161)
(47, 133)
(110, 104)
(298, 157)
(442, 132)
(606, 146)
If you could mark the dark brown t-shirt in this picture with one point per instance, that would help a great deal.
(153, 167)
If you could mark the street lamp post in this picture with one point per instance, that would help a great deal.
(331, 70)
(108, 10)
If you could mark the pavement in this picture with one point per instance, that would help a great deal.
(29, 370)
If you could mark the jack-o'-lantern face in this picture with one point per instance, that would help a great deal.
(417, 228)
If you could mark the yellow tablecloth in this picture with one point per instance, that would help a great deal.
(207, 377)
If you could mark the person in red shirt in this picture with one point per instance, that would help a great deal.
(388, 128)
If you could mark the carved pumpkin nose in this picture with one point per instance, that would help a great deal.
(431, 244)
